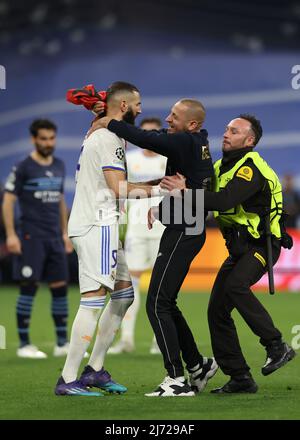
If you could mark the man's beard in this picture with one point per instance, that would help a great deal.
(45, 151)
(129, 117)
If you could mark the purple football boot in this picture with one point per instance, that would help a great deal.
(100, 379)
(75, 388)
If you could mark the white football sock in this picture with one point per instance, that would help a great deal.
(109, 325)
(82, 333)
(154, 341)
(128, 323)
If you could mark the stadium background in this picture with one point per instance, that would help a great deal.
(234, 56)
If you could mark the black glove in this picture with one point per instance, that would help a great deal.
(286, 239)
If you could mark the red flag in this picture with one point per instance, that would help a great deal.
(87, 96)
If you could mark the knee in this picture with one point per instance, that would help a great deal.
(124, 296)
(236, 287)
(28, 288)
(158, 307)
(129, 301)
(59, 291)
(123, 304)
(149, 305)
(217, 311)
(176, 312)
(57, 284)
(26, 284)
(213, 305)
(211, 312)
(153, 306)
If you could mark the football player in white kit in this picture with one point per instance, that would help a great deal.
(141, 245)
(93, 229)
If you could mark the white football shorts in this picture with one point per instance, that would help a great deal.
(101, 258)
(141, 252)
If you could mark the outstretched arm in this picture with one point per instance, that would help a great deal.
(168, 145)
(116, 181)
(239, 189)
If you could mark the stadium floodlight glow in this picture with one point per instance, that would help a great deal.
(2, 78)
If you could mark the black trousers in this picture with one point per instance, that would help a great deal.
(231, 290)
(174, 337)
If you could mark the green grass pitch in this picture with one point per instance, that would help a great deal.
(27, 385)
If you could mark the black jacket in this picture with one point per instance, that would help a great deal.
(187, 154)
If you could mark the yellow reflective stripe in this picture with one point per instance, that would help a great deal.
(260, 258)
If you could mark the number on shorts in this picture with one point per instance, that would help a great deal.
(114, 256)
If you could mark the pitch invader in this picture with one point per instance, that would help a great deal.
(141, 245)
(40, 248)
(93, 228)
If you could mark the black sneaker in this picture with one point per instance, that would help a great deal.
(278, 354)
(241, 385)
(200, 377)
(172, 388)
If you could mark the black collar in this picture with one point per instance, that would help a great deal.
(234, 156)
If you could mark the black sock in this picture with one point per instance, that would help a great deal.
(24, 309)
(60, 313)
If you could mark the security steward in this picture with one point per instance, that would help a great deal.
(246, 191)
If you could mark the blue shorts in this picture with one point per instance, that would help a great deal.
(41, 260)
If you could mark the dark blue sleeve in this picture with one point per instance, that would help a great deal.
(63, 177)
(15, 180)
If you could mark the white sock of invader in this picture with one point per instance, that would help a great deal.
(82, 333)
(128, 323)
(109, 325)
(154, 341)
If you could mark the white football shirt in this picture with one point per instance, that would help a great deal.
(142, 168)
(94, 203)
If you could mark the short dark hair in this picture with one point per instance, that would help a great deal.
(119, 86)
(255, 126)
(38, 124)
(151, 120)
